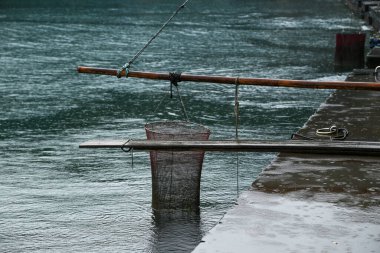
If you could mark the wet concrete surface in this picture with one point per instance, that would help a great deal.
(356, 111)
(266, 222)
(313, 203)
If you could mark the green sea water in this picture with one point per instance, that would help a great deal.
(55, 197)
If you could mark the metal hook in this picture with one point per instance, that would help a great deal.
(377, 74)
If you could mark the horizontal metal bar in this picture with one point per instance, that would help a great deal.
(291, 146)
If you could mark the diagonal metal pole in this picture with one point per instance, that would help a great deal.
(128, 64)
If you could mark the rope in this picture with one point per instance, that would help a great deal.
(128, 64)
(296, 136)
(174, 78)
(182, 104)
(159, 104)
(130, 149)
(236, 110)
(124, 145)
(333, 132)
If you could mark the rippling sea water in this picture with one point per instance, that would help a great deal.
(57, 198)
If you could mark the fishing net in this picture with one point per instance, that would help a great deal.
(176, 175)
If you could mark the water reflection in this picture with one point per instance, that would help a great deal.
(176, 231)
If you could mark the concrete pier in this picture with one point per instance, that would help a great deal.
(313, 203)
(367, 10)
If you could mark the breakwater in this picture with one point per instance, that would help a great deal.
(369, 11)
(313, 203)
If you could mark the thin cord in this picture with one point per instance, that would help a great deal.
(237, 131)
(182, 104)
(132, 158)
(128, 64)
(237, 108)
(159, 104)
(130, 149)
(180, 99)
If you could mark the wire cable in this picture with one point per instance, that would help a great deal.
(128, 64)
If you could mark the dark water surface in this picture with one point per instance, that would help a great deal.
(57, 198)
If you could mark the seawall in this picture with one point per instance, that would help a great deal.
(369, 11)
(313, 203)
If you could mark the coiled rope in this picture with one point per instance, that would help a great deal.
(333, 132)
(128, 64)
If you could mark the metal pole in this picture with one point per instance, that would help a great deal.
(341, 85)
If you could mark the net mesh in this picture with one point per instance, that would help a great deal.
(176, 175)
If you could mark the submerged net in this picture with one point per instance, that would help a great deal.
(176, 175)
